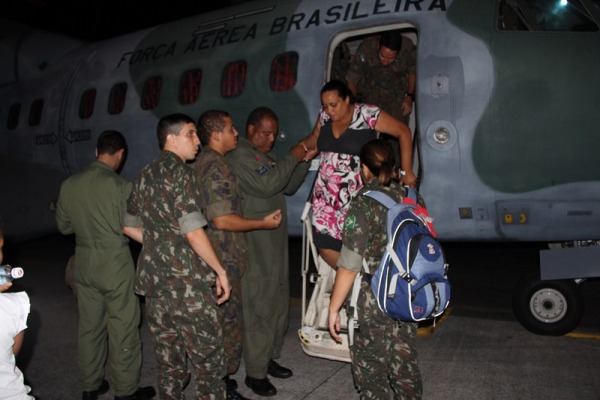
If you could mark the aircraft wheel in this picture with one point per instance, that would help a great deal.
(551, 308)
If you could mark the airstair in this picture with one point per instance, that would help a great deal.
(314, 333)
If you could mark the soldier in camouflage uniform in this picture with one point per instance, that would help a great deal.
(222, 205)
(382, 73)
(383, 353)
(177, 266)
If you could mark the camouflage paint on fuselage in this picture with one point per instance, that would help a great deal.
(540, 128)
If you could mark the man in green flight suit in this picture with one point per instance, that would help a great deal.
(90, 205)
(264, 181)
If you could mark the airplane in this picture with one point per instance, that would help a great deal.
(505, 123)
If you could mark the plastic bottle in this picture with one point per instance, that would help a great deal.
(8, 273)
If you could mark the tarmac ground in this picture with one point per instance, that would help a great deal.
(479, 351)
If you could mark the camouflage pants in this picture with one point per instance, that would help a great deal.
(383, 355)
(181, 328)
(231, 317)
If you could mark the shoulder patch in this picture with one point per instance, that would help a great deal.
(350, 222)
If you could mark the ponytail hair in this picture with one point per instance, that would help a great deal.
(378, 156)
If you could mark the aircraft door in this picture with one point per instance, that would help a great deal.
(389, 83)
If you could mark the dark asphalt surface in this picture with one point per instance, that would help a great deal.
(479, 352)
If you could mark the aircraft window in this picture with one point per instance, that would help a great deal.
(190, 86)
(545, 15)
(116, 100)
(86, 105)
(151, 94)
(13, 116)
(284, 71)
(35, 112)
(234, 79)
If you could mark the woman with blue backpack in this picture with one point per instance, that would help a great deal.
(383, 354)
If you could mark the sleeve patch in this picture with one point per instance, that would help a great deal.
(350, 222)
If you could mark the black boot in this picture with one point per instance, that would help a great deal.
(93, 395)
(277, 371)
(232, 393)
(262, 387)
(143, 393)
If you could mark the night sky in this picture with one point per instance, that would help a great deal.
(102, 19)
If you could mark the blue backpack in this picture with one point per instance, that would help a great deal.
(411, 281)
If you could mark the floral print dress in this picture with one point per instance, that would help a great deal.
(338, 179)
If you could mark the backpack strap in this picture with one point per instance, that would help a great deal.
(381, 197)
(388, 203)
(411, 197)
(412, 194)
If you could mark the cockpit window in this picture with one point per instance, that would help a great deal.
(284, 72)
(233, 81)
(548, 15)
(86, 104)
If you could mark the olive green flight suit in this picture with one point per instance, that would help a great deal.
(90, 205)
(264, 181)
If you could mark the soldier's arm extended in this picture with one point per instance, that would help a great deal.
(297, 178)
(217, 193)
(409, 98)
(260, 181)
(236, 223)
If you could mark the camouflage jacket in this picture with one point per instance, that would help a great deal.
(164, 203)
(380, 85)
(219, 195)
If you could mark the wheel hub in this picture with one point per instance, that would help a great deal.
(548, 305)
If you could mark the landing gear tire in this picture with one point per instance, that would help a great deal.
(550, 308)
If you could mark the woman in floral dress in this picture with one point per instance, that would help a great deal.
(342, 128)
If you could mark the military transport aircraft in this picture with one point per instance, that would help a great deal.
(506, 122)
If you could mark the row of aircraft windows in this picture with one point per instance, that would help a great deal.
(282, 77)
(514, 15)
